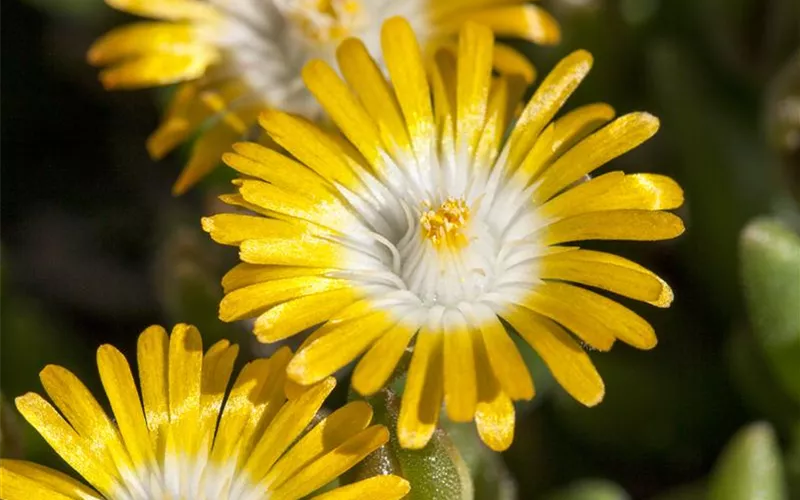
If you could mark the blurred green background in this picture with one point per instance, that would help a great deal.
(94, 248)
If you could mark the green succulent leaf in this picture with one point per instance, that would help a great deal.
(590, 489)
(750, 467)
(436, 472)
(490, 476)
(770, 262)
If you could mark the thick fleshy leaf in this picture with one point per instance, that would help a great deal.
(750, 467)
(770, 260)
(590, 489)
(436, 472)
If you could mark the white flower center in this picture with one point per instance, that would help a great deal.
(267, 42)
(180, 478)
(324, 21)
(448, 249)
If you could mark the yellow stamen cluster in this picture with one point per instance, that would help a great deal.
(327, 20)
(443, 225)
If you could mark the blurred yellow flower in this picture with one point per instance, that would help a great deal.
(238, 56)
(187, 440)
(431, 223)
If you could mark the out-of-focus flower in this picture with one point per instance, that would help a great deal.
(238, 56)
(432, 223)
(184, 439)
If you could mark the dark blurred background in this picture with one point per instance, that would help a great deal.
(94, 247)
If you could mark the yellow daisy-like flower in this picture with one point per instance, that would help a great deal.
(237, 56)
(431, 224)
(187, 441)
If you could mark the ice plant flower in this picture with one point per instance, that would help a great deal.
(187, 441)
(237, 56)
(433, 226)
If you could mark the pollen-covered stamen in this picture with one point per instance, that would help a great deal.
(443, 226)
(324, 21)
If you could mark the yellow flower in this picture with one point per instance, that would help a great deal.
(431, 223)
(190, 442)
(238, 56)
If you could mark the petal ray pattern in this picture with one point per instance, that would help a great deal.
(431, 225)
(232, 58)
(187, 436)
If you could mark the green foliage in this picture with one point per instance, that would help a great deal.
(590, 489)
(436, 472)
(770, 257)
(491, 478)
(750, 467)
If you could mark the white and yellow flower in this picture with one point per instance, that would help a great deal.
(184, 439)
(238, 56)
(432, 226)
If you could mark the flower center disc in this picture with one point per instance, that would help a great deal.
(442, 226)
(324, 21)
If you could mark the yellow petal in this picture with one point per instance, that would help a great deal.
(633, 225)
(561, 309)
(474, 78)
(376, 366)
(494, 415)
(244, 274)
(406, 68)
(208, 149)
(309, 145)
(422, 397)
(613, 191)
(562, 135)
(626, 325)
(367, 81)
(66, 442)
(442, 10)
(287, 425)
(334, 463)
(387, 487)
(495, 421)
(136, 39)
(217, 369)
(497, 115)
(443, 85)
(257, 161)
(608, 272)
(329, 433)
(159, 69)
(233, 229)
(86, 416)
(185, 114)
(117, 379)
(460, 381)
(343, 107)
(336, 348)
(167, 9)
(519, 21)
(509, 62)
(294, 316)
(256, 397)
(152, 360)
(503, 356)
(331, 214)
(557, 86)
(184, 375)
(28, 481)
(305, 251)
(569, 364)
(611, 141)
(254, 299)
